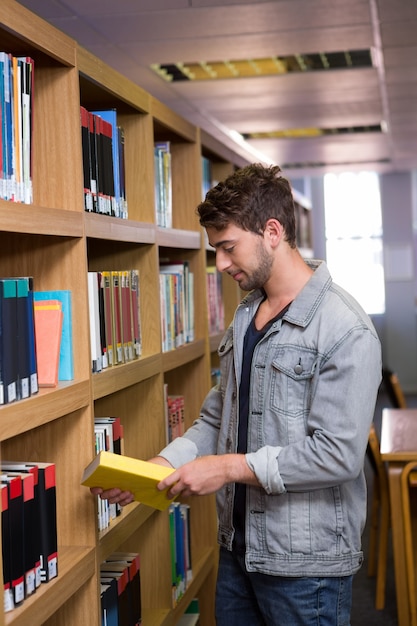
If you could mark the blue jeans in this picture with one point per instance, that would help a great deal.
(252, 599)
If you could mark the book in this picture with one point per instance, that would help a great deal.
(26, 67)
(136, 321)
(8, 341)
(48, 522)
(109, 470)
(16, 536)
(163, 184)
(48, 332)
(120, 609)
(30, 318)
(109, 340)
(180, 547)
(23, 339)
(117, 316)
(86, 150)
(8, 601)
(126, 315)
(109, 600)
(94, 315)
(119, 571)
(30, 541)
(66, 357)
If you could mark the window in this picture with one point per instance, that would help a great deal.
(354, 236)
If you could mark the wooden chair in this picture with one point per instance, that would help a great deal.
(408, 480)
(379, 519)
(380, 515)
(393, 388)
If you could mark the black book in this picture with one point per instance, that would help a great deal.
(16, 536)
(86, 150)
(109, 600)
(120, 573)
(33, 367)
(6, 553)
(8, 340)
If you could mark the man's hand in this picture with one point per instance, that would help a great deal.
(114, 496)
(207, 475)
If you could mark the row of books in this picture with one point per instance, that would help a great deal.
(53, 336)
(120, 590)
(109, 436)
(28, 528)
(16, 106)
(176, 283)
(163, 184)
(103, 147)
(35, 338)
(191, 616)
(114, 308)
(214, 300)
(180, 546)
(174, 415)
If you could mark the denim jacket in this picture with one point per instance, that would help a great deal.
(314, 382)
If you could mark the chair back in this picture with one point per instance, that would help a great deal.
(393, 388)
(407, 481)
(374, 456)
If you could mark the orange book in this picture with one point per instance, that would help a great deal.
(48, 331)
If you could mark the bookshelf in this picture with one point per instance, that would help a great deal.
(57, 242)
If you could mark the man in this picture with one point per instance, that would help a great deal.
(282, 438)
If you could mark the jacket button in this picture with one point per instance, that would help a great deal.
(298, 369)
(221, 349)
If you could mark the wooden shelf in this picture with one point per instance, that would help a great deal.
(121, 376)
(44, 407)
(185, 354)
(35, 220)
(116, 229)
(176, 238)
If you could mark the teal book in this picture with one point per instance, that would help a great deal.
(66, 357)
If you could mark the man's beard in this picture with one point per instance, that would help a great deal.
(259, 276)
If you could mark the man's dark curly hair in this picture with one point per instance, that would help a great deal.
(248, 198)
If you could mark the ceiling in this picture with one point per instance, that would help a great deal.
(132, 35)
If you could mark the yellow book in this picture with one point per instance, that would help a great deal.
(109, 470)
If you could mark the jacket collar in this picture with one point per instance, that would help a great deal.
(308, 300)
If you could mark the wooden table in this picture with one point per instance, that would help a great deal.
(399, 446)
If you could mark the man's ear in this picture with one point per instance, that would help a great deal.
(273, 232)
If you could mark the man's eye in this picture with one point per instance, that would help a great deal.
(229, 250)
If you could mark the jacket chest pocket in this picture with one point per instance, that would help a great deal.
(290, 392)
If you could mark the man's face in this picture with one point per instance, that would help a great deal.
(242, 254)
